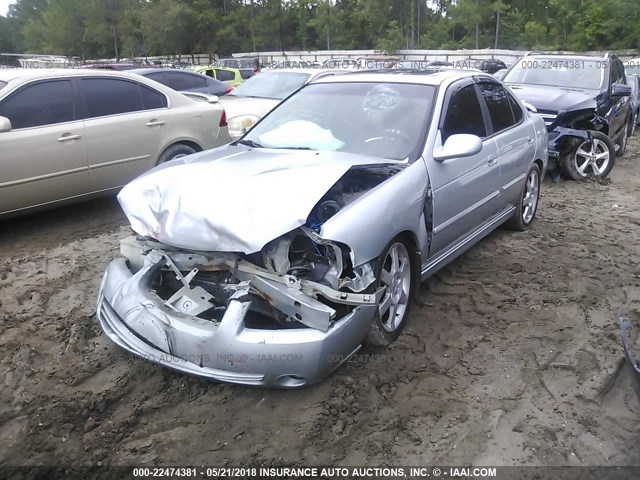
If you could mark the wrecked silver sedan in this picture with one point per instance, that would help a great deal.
(270, 261)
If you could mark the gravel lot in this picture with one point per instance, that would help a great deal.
(513, 358)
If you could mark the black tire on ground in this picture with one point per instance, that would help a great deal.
(175, 151)
(528, 203)
(569, 162)
(624, 139)
(386, 326)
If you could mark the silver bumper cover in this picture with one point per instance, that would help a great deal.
(136, 319)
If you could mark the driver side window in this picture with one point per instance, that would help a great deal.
(464, 114)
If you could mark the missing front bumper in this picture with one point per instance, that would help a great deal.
(138, 320)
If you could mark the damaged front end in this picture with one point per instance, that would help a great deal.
(220, 316)
(284, 314)
(569, 129)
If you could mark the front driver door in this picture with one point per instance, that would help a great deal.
(43, 158)
(465, 190)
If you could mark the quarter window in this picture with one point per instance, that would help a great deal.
(464, 114)
(497, 99)
(152, 99)
(44, 103)
(516, 108)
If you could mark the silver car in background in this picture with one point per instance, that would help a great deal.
(271, 260)
(69, 134)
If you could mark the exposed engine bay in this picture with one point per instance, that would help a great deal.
(297, 279)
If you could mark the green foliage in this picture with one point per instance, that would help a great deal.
(119, 28)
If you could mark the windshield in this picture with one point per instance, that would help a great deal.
(276, 85)
(382, 120)
(568, 73)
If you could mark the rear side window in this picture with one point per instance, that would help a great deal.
(497, 99)
(516, 108)
(464, 114)
(2, 85)
(109, 96)
(245, 73)
(225, 75)
(44, 103)
(152, 99)
(185, 81)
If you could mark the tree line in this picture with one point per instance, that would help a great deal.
(130, 28)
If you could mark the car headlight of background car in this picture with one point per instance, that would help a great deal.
(239, 125)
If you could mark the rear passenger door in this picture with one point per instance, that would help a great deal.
(465, 190)
(125, 124)
(44, 156)
(514, 138)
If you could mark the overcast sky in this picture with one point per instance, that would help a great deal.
(4, 6)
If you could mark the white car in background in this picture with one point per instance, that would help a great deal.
(67, 134)
(258, 95)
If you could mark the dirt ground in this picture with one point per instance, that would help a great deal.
(513, 358)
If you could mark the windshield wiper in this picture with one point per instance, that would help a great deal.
(249, 143)
(296, 148)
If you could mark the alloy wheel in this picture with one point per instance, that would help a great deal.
(396, 277)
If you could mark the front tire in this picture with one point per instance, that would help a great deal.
(595, 157)
(395, 272)
(528, 204)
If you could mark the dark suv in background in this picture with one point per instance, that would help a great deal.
(586, 107)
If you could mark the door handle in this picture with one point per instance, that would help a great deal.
(68, 136)
(492, 160)
(530, 140)
(155, 123)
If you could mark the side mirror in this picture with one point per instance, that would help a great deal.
(5, 124)
(458, 146)
(620, 90)
(529, 106)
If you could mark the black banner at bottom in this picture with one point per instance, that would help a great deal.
(318, 472)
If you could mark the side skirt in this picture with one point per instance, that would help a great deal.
(440, 260)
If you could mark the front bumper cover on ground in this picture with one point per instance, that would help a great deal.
(138, 320)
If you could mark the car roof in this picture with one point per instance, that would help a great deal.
(144, 71)
(9, 74)
(425, 77)
(309, 71)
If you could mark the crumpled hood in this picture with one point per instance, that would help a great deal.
(555, 98)
(232, 199)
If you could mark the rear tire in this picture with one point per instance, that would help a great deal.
(595, 158)
(624, 139)
(395, 272)
(175, 151)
